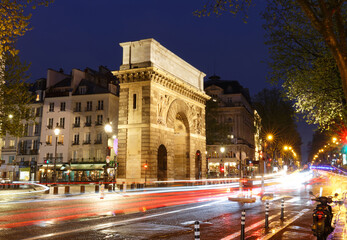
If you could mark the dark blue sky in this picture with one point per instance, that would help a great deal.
(85, 33)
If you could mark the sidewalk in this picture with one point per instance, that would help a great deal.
(340, 231)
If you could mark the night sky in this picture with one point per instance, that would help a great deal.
(85, 33)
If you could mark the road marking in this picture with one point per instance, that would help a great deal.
(293, 200)
(302, 212)
(257, 224)
(107, 225)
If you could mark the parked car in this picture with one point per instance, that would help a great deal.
(5, 180)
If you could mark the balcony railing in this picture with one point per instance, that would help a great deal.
(75, 143)
(50, 126)
(98, 141)
(87, 160)
(86, 142)
(76, 125)
(34, 151)
(97, 123)
(88, 124)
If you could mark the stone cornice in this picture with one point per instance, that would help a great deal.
(163, 78)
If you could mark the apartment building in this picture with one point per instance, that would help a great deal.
(79, 105)
(20, 154)
(234, 110)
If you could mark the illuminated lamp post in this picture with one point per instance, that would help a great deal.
(56, 133)
(108, 130)
(269, 139)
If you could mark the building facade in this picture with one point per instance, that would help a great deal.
(20, 155)
(79, 105)
(234, 155)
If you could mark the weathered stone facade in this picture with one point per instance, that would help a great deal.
(161, 117)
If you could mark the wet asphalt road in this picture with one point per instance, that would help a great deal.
(168, 215)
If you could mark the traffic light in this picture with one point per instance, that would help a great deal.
(46, 161)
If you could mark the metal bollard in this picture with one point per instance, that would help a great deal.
(197, 230)
(282, 209)
(267, 214)
(243, 221)
(102, 191)
(83, 189)
(55, 190)
(110, 188)
(96, 188)
(67, 189)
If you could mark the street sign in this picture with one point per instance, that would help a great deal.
(107, 159)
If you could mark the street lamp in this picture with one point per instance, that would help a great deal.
(108, 130)
(56, 133)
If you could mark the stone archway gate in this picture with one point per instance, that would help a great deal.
(161, 102)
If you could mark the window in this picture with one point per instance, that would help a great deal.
(61, 139)
(38, 112)
(134, 101)
(78, 107)
(99, 120)
(100, 105)
(50, 123)
(62, 123)
(60, 157)
(49, 156)
(98, 138)
(88, 121)
(11, 143)
(62, 106)
(36, 129)
(89, 106)
(26, 130)
(77, 122)
(98, 154)
(76, 139)
(37, 97)
(51, 107)
(74, 155)
(36, 145)
(10, 159)
(87, 138)
(49, 139)
(82, 89)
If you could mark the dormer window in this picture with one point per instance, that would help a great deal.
(83, 90)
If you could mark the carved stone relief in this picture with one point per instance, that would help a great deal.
(162, 107)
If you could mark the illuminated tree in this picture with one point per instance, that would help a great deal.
(301, 59)
(277, 118)
(327, 18)
(14, 94)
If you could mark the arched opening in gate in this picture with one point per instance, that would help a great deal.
(181, 149)
(198, 165)
(162, 163)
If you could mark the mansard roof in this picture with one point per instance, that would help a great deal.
(228, 86)
(91, 88)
